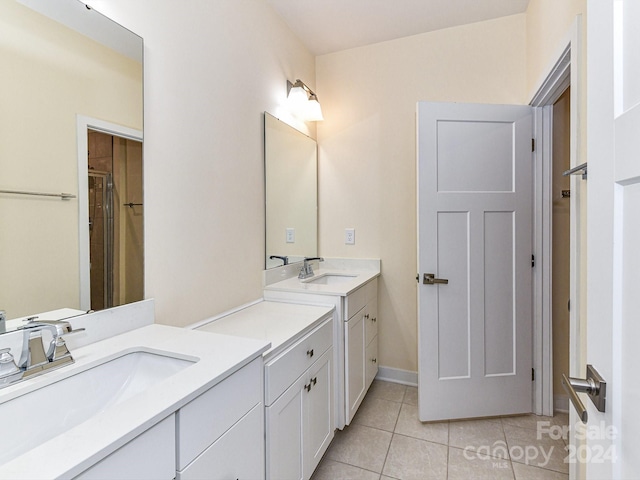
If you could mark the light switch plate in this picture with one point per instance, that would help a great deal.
(291, 235)
(350, 236)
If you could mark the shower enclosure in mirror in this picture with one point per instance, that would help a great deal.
(116, 248)
(56, 70)
(291, 193)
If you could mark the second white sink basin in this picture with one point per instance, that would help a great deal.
(330, 279)
(40, 415)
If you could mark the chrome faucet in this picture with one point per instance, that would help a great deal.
(33, 358)
(307, 269)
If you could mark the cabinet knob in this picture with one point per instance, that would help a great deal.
(307, 387)
(374, 319)
(310, 352)
(366, 316)
(314, 380)
(374, 360)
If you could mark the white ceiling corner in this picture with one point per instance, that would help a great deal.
(327, 26)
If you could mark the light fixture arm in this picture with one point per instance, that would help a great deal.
(299, 83)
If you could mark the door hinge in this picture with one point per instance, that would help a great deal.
(533, 144)
(533, 261)
(533, 374)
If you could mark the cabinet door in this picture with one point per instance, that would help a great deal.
(318, 412)
(238, 454)
(355, 368)
(371, 320)
(371, 359)
(284, 434)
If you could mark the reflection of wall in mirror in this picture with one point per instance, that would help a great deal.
(291, 191)
(50, 75)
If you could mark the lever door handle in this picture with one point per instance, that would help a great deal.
(430, 279)
(594, 386)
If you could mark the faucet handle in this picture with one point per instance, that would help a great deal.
(7, 366)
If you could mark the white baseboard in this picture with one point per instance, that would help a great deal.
(561, 403)
(396, 375)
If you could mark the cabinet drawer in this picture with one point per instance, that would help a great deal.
(239, 453)
(283, 370)
(150, 455)
(207, 417)
(356, 300)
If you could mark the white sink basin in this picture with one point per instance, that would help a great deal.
(330, 279)
(40, 415)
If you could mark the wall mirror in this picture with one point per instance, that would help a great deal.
(69, 76)
(291, 191)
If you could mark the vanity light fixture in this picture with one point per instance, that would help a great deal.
(303, 101)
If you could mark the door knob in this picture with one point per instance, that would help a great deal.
(430, 279)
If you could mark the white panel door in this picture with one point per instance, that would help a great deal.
(475, 230)
(613, 257)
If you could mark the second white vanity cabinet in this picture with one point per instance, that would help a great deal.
(355, 298)
(299, 417)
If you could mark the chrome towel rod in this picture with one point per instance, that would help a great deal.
(62, 196)
(580, 169)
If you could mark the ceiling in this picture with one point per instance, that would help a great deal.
(326, 26)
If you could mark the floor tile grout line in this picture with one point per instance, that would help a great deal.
(386, 456)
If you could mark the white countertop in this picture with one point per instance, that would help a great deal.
(294, 284)
(70, 453)
(276, 322)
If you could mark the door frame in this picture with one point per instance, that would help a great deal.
(83, 124)
(564, 72)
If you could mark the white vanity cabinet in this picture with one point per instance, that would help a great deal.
(299, 405)
(299, 397)
(220, 434)
(361, 345)
(149, 456)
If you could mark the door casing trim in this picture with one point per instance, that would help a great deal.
(563, 72)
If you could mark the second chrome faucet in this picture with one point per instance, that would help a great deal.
(307, 269)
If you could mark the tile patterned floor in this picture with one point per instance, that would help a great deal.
(386, 441)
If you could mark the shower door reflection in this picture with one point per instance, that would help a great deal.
(101, 239)
(116, 247)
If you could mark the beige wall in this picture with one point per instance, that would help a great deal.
(49, 75)
(367, 156)
(211, 69)
(548, 25)
(204, 89)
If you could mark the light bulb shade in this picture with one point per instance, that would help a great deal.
(313, 112)
(297, 98)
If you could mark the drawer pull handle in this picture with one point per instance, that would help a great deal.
(314, 380)
(310, 352)
(307, 387)
(374, 360)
